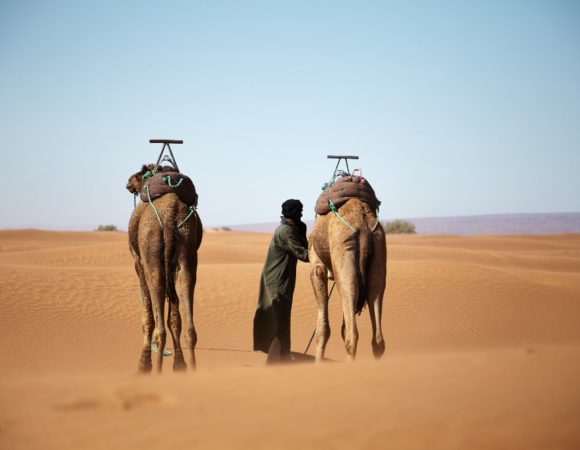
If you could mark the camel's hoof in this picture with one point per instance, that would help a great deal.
(378, 350)
(179, 366)
(145, 367)
(192, 362)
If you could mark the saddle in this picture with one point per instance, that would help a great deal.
(163, 183)
(343, 189)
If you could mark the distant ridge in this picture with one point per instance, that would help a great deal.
(529, 223)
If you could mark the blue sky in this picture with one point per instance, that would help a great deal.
(454, 107)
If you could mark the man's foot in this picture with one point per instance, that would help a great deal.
(274, 352)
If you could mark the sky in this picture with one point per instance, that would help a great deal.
(453, 107)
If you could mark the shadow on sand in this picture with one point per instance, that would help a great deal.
(301, 358)
(295, 357)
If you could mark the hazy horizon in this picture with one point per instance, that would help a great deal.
(532, 223)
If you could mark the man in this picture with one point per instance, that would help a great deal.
(272, 318)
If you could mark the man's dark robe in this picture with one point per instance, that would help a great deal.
(277, 284)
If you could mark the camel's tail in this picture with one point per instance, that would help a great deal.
(365, 247)
(169, 229)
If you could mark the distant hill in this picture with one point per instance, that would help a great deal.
(500, 224)
(531, 223)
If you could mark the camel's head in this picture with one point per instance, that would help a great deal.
(135, 182)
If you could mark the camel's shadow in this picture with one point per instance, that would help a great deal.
(295, 357)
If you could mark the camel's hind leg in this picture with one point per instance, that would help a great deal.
(185, 279)
(375, 312)
(155, 282)
(174, 324)
(319, 279)
(377, 278)
(347, 283)
(147, 321)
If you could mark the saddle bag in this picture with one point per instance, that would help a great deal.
(343, 189)
(163, 183)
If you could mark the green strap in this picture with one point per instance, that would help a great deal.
(192, 211)
(167, 180)
(377, 214)
(335, 175)
(154, 347)
(335, 211)
(376, 223)
(152, 205)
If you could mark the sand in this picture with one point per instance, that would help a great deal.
(483, 350)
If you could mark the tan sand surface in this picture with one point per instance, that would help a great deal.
(483, 350)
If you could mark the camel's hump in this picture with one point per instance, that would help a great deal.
(165, 182)
(343, 189)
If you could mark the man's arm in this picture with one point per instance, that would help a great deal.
(294, 245)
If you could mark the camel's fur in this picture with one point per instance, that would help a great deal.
(166, 264)
(358, 261)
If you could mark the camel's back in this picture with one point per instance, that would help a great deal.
(354, 221)
(358, 214)
(167, 211)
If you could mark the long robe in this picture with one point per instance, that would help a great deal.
(272, 318)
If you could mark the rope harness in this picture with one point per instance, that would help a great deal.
(167, 180)
(334, 209)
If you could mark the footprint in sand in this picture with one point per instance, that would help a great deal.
(122, 399)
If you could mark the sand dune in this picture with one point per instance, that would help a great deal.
(483, 350)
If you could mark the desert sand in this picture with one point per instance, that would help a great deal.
(483, 350)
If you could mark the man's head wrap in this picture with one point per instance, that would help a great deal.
(292, 209)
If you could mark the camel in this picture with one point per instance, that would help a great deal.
(350, 247)
(164, 242)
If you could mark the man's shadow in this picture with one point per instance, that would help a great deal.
(295, 358)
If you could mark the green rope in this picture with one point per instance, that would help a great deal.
(377, 214)
(156, 349)
(192, 211)
(152, 205)
(167, 180)
(335, 175)
(335, 211)
(376, 223)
